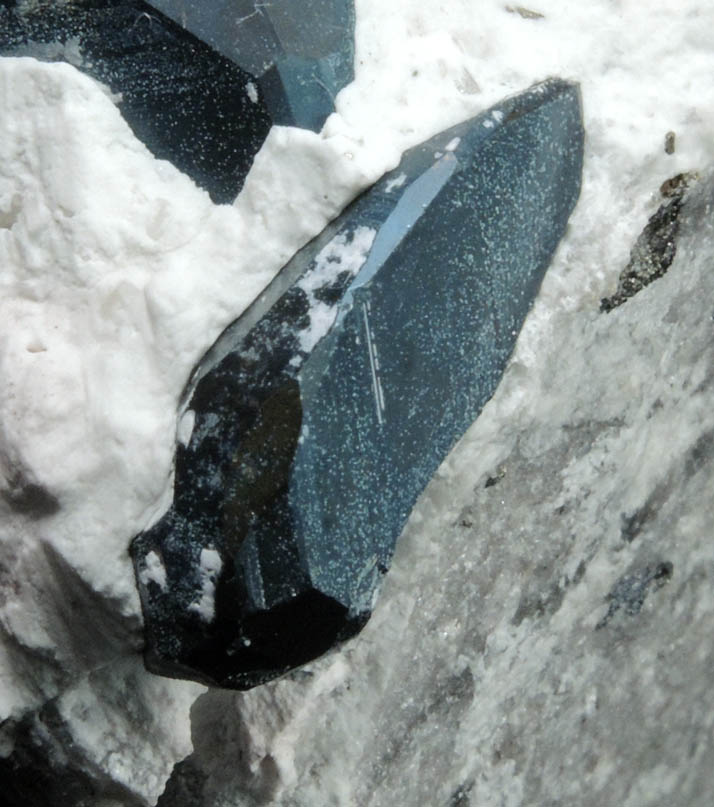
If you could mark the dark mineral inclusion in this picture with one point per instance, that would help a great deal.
(315, 421)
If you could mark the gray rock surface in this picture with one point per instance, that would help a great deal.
(545, 634)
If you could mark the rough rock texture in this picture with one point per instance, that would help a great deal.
(552, 645)
(315, 422)
(84, 747)
(186, 102)
(301, 53)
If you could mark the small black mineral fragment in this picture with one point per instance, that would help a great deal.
(655, 247)
(315, 421)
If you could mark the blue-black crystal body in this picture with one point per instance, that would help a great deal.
(321, 414)
(302, 53)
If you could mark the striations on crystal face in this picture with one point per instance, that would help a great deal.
(183, 100)
(302, 53)
(314, 422)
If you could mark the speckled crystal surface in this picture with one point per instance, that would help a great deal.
(186, 102)
(301, 53)
(315, 421)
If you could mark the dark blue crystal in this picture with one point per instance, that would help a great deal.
(321, 414)
(302, 53)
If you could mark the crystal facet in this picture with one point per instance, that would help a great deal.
(301, 53)
(312, 425)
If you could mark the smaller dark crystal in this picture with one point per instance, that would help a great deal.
(186, 102)
(301, 53)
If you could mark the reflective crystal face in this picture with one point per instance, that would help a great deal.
(313, 424)
(301, 52)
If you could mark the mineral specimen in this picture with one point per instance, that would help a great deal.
(185, 101)
(656, 246)
(301, 53)
(312, 425)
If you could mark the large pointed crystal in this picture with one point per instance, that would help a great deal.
(316, 420)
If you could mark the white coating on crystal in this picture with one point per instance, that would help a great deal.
(210, 565)
(185, 426)
(395, 183)
(153, 571)
(251, 91)
(342, 254)
(209, 420)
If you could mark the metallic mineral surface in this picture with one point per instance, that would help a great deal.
(312, 425)
(656, 247)
(301, 53)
